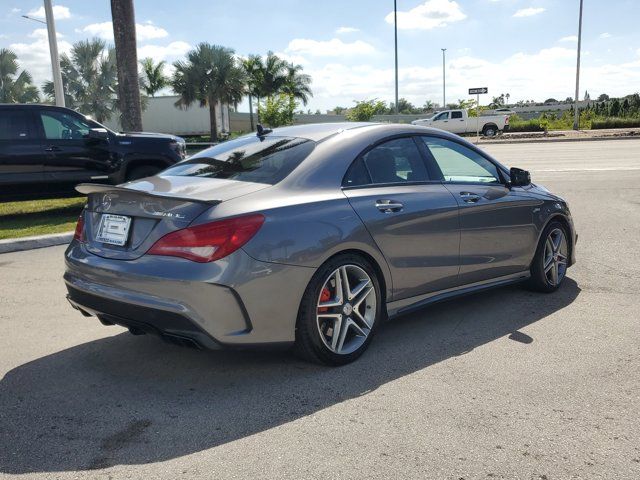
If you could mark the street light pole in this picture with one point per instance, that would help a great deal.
(576, 119)
(395, 32)
(444, 81)
(53, 49)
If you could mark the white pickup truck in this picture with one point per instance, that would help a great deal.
(459, 121)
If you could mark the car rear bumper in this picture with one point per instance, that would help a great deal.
(234, 302)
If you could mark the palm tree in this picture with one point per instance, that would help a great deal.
(15, 88)
(153, 78)
(89, 78)
(210, 74)
(124, 33)
(253, 68)
(297, 85)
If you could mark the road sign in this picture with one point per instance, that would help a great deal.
(478, 91)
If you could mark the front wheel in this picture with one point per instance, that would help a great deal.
(340, 311)
(549, 266)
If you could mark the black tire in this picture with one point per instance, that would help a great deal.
(142, 171)
(539, 281)
(309, 344)
(490, 130)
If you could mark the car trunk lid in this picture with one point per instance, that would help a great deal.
(152, 208)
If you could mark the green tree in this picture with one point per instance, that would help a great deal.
(614, 108)
(276, 110)
(365, 110)
(603, 97)
(89, 79)
(153, 78)
(14, 87)
(209, 74)
(297, 85)
(429, 106)
(252, 66)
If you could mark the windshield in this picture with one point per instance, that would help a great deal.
(247, 159)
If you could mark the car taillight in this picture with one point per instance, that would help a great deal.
(79, 233)
(210, 241)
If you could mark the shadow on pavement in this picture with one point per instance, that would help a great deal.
(135, 400)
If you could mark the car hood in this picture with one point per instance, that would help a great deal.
(147, 135)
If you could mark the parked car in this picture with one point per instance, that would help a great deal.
(459, 121)
(312, 236)
(47, 150)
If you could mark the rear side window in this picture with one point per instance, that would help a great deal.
(16, 125)
(395, 161)
(247, 159)
(456, 114)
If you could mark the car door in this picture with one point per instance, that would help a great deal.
(21, 151)
(412, 219)
(498, 235)
(72, 157)
(457, 123)
(441, 121)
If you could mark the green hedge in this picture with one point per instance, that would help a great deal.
(532, 125)
(616, 123)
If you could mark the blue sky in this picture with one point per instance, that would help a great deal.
(526, 48)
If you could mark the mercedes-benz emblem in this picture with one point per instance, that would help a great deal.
(106, 202)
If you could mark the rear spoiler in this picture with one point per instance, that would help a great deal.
(87, 188)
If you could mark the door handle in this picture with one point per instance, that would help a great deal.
(469, 197)
(389, 206)
(52, 148)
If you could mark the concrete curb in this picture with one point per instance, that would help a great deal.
(29, 243)
(554, 140)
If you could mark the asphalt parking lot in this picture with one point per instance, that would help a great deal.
(504, 384)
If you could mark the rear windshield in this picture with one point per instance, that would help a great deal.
(247, 159)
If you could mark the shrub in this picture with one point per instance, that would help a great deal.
(365, 110)
(277, 111)
(532, 125)
(616, 123)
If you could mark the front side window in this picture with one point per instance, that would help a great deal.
(15, 125)
(62, 126)
(442, 116)
(459, 163)
(395, 161)
(247, 159)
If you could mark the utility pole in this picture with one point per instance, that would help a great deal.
(444, 81)
(53, 49)
(395, 31)
(576, 118)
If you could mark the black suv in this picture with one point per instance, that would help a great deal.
(47, 150)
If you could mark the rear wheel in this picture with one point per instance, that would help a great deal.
(141, 172)
(489, 130)
(550, 264)
(340, 311)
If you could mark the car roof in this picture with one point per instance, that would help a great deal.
(318, 131)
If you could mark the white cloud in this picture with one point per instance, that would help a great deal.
(522, 75)
(569, 38)
(167, 52)
(34, 57)
(41, 33)
(605, 35)
(431, 14)
(59, 12)
(347, 30)
(528, 12)
(144, 31)
(330, 48)
(3, 36)
(16, 10)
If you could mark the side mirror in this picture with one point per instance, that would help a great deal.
(98, 134)
(519, 177)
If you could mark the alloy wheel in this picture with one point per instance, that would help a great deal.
(555, 256)
(346, 309)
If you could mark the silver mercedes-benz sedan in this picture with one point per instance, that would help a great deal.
(311, 236)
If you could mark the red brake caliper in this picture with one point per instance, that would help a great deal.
(325, 296)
